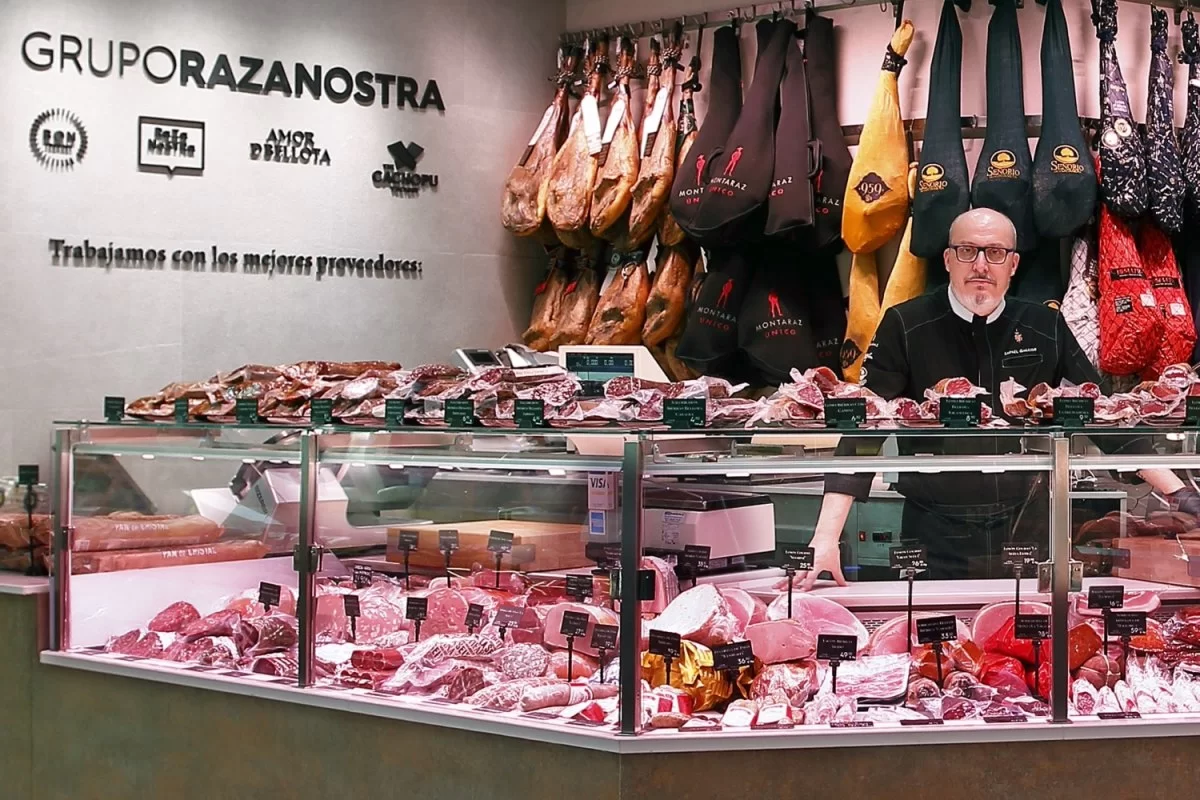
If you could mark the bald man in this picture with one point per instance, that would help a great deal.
(970, 329)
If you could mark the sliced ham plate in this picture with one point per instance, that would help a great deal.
(820, 615)
(888, 638)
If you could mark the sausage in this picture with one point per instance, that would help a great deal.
(128, 531)
(115, 561)
(555, 694)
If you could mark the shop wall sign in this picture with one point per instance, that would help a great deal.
(42, 51)
(401, 175)
(289, 147)
(58, 139)
(174, 146)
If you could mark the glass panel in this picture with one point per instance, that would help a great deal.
(1135, 626)
(916, 521)
(172, 540)
(457, 565)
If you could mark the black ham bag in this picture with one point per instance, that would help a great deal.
(790, 204)
(1039, 277)
(943, 185)
(1122, 158)
(833, 168)
(1002, 176)
(724, 106)
(740, 172)
(1064, 179)
(1164, 167)
(710, 336)
(1190, 143)
(775, 328)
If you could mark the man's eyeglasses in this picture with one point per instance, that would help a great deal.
(967, 253)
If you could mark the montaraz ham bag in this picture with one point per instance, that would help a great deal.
(1164, 165)
(775, 326)
(943, 185)
(790, 204)
(1122, 158)
(833, 169)
(710, 340)
(1064, 180)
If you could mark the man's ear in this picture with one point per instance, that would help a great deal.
(1016, 261)
(946, 258)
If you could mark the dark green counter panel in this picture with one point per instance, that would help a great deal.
(21, 617)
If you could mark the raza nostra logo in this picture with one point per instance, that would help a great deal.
(173, 146)
(58, 139)
(401, 175)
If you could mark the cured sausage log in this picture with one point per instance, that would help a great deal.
(669, 232)
(658, 139)
(578, 304)
(621, 311)
(127, 530)
(547, 302)
(524, 208)
(667, 303)
(573, 173)
(117, 560)
(618, 159)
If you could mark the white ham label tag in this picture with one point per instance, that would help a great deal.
(591, 123)
(1177, 310)
(1148, 300)
(614, 119)
(653, 122)
(542, 125)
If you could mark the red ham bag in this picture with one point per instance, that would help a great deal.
(1179, 330)
(1130, 322)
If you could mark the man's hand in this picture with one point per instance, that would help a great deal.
(827, 557)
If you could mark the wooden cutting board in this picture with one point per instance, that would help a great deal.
(536, 545)
(1161, 560)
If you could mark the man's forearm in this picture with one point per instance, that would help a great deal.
(1164, 480)
(835, 508)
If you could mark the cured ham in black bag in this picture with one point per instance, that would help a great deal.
(1164, 167)
(1064, 180)
(943, 184)
(1122, 158)
(1190, 55)
(742, 170)
(710, 341)
(1002, 176)
(790, 205)
(775, 326)
(833, 168)
(724, 106)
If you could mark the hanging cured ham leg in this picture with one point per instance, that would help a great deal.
(669, 232)
(1122, 155)
(579, 298)
(1164, 165)
(618, 159)
(659, 134)
(621, 311)
(668, 297)
(524, 207)
(547, 302)
(573, 173)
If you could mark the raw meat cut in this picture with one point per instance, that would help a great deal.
(419, 678)
(782, 640)
(1006, 642)
(466, 646)
(739, 714)
(582, 666)
(871, 677)
(596, 615)
(575, 167)
(700, 614)
(1101, 670)
(618, 158)
(820, 615)
(1005, 673)
(377, 659)
(746, 607)
(174, 618)
(991, 618)
(130, 530)
(447, 612)
(219, 623)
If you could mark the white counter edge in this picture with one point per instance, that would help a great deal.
(655, 742)
(18, 584)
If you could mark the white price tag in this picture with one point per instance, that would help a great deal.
(1177, 310)
(653, 122)
(591, 123)
(672, 521)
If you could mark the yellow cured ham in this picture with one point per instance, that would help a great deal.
(876, 200)
(907, 279)
(547, 300)
(669, 232)
(618, 160)
(573, 172)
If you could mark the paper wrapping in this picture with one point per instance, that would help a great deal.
(693, 673)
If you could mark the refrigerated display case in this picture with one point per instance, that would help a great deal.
(473, 578)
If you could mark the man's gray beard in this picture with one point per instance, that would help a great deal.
(982, 304)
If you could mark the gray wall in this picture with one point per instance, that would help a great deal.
(75, 334)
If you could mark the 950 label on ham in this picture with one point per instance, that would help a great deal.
(733, 656)
(845, 412)
(665, 644)
(1074, 412)
(269, 593)
(685, 413)
(416, 608)
(579, 587)
(245, 410)
(1032, 626)
(837, 648)
(352, 606)
(574, 623)
(907, 557)
(1127, 623)
(320, 411)
(695, 556)
(1106, 597)
(447, 541)
(1021, 555)
(114, 408)
(363, 575)
(937, 629)
(508, 617)
(800, 559)
(474, 615)
(530, 413)
(393, 413)
(460, 413)
(500, 542)
(959, 412)
(604, 637)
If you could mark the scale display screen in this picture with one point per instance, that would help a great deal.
(600, 367)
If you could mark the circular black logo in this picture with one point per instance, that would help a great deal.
(57, 139)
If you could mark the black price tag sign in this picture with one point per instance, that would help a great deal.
(508, 617)
(1032, 626)
(837, 648)
(269, 594)
(393, 413)
(114, 408)
(246, 410)
(447, 541)
(1118, 715)
(731, 657)
(665, 644)
(530, 413)
(574, 623)
(923, 721)
(407, 540)
(959, 412)
(695, 556)
(579, 587)
(474, 615)
(845, 412)
(937, 629)
(500, 542)
(685, 413)
(905, 557)
(1020, 555)
(320, 411)
(800, 559)
(1127, 623)
(604, 637)
(460, 413)
(182, 410)
(27, 474)
(1192, 412)
(353, 609)
(611, 556)
(1106, 597)
(1002, 718)
(857, 723)
(416, 608)
(1074, 412)
(363, 575)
